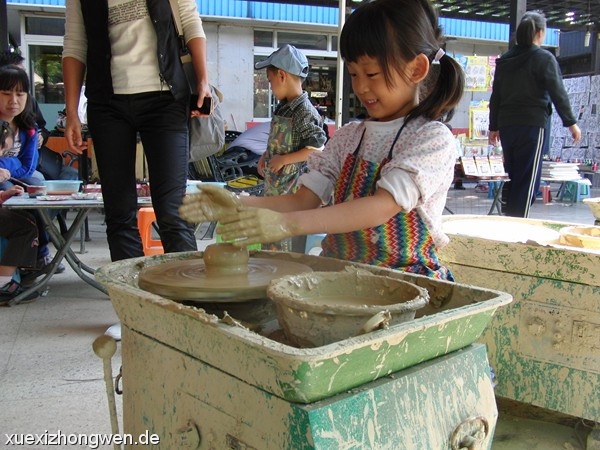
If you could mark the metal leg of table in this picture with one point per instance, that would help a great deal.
(210, 230)
(497, 192)
(63, 243)
(64, 251)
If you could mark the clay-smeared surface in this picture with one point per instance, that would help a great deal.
(544, 346)
(190, 280)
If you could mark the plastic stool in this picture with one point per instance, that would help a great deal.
(575, 191)
(313, 244)
(146, 218)
(546, 194)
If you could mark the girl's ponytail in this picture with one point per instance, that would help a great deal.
(442, 90)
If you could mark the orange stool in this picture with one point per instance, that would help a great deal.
(146, 218)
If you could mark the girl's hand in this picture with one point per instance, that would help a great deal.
(254, 226)
(575, 133)
(212, 203)
(15, 190)
(4, 174)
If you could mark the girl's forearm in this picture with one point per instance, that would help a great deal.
(302, 200)
(357, 214)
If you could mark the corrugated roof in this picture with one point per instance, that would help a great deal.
(322, 15)
(268, 11)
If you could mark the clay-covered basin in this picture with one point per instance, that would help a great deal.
(594, 204)
(319, 308)
(581, 236)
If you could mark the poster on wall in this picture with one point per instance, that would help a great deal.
(584, 96)
(477, 72)
(491, 71)
(479, 119)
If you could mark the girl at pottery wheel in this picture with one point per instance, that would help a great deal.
(379, 188)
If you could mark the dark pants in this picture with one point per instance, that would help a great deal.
(44, 238)
(522, 148)
(20, 230)
(162, 124)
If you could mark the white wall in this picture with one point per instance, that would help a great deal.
(230, 57)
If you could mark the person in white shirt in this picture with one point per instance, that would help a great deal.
(135, 85)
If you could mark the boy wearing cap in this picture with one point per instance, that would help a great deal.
(295, 131)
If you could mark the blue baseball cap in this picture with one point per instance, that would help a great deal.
(287, 58)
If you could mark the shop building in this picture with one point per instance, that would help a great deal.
(241, 33)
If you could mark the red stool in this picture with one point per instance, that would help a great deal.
(146, 218)
(546, 194)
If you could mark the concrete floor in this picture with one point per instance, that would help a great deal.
(50, 379)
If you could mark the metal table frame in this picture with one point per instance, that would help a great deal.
(496, 184)
(60, 241)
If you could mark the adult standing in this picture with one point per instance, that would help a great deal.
(526, 84)
(135, 83)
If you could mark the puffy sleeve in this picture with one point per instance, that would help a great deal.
(422, 164)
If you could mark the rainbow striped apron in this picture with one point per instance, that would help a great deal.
(403, 242)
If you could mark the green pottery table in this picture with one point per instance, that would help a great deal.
(201, 379)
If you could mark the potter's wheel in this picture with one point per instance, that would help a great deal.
(190, 280)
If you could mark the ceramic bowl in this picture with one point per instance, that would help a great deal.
(62, 187)
(320, 308)
(92, 189)
(36, 191)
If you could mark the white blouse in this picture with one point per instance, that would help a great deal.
(418, 175)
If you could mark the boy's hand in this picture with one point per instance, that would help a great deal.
(276, 163)
(253, 226)
(209, 205)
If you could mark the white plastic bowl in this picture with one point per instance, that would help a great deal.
(62, 187)
(192, 185)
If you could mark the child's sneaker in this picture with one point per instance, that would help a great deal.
(11, 289)
(481, 187)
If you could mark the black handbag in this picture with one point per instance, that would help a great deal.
(50, 163)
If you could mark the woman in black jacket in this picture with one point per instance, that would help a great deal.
(526, 84)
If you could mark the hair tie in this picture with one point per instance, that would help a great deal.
(438, 56)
